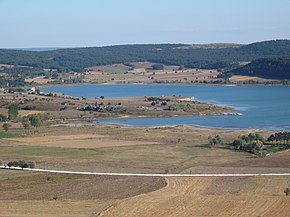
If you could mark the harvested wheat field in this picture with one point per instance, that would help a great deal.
(241, 78)
(49, 195)
(231, 196)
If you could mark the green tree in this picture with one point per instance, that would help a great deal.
(31, 164)
(172, 108)
(218, 139)
(1, 162)
(6, 126)
(22, 164)
(35, 120)
(213, 141)
(13, 111)
(3, 118)
(238, 143)
(25, 122)
(157, 66)
(252, 137)
(279, 137)
(253, 143)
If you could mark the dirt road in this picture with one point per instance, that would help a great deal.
(150, 175)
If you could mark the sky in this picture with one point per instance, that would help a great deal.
(86, 23)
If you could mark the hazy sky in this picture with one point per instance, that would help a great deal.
(74, 23)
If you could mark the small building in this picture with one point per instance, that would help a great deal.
(31, 90)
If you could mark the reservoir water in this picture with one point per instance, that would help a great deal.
(263, 107)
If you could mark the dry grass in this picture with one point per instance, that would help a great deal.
(64, 208)
(120, 149)
(125, 149)
(29, 112)
(143, 74)
(76, 141)
(240, 78)
(254, 196)
(30, 194)
(39, 80)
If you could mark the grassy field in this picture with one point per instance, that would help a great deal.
(161, 149)
(6, 135)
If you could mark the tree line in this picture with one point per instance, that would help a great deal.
(77, 59)
(253, 143)
(22, 164)
(280, 137)
(272, 68)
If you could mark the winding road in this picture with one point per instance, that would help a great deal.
(149, 175)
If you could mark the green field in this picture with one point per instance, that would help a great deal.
(7, 135)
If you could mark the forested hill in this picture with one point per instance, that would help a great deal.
(273, 68)
(77, 59)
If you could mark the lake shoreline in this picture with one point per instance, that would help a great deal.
(251, 101)
(147, 83)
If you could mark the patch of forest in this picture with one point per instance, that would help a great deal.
(77, 59)
(272, 68)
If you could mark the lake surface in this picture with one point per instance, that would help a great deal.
(262, 107)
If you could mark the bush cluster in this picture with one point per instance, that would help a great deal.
(22, 164)
(253, 143)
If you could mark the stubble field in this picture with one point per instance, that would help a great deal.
(180, 149)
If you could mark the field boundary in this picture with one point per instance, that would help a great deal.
(148, 175)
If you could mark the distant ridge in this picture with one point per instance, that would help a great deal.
(211, 46)
(208, 56)
(36, 49)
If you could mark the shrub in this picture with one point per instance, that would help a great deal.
(172, 108)
(157, 66)
(22, 164)
(25, 122)
(6, 126)
(31, 164)
(253, 143)
(13, 111)
(214, 140)
(3, 118)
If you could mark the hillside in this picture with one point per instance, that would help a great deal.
(272, 68)
(208, 57)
